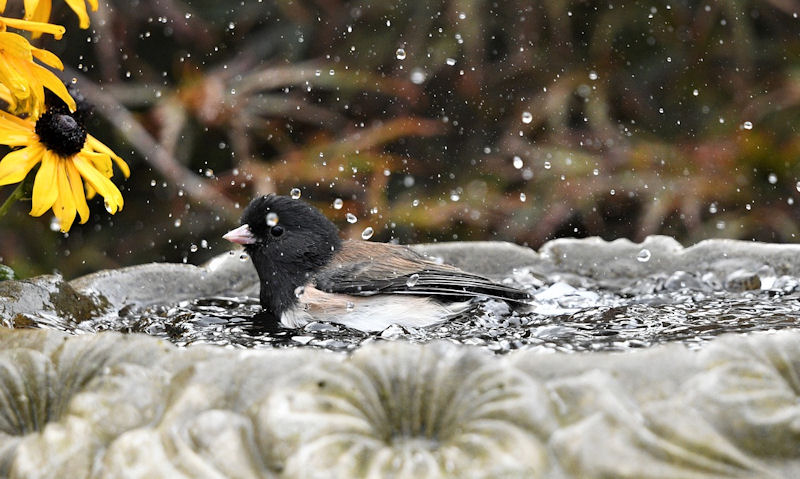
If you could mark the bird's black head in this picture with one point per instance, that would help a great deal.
(288, 241)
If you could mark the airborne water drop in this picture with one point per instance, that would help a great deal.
(527, 117)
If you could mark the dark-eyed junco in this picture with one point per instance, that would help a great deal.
(308, 273)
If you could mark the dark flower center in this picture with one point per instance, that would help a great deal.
(60, 132)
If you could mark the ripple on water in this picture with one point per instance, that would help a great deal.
(684, 307)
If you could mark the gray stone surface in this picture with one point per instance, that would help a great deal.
(111, 405)
(619, 259)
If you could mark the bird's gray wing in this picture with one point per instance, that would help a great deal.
(398, 270)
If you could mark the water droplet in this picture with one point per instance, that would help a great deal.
(178, 223)
(797, 186)
(527, 117)
(152, 182)
(412, 280)
(547, 165)
(110, 207)
(295, 193)
(272, 218)
(712, 208)
(415, 203)
(298, 291)
(243, 257)
(367, 233)
(517, 162)
(338, 203)
(455, 197)
(400, 54)
(203, 244)
(451, 61)
(522, 197)
(418, 76)
(351, 218)
(772, 178)
(55, 224)
(593, 75)
(643, 256)
(350, 305)
(695, 92)
(748, 125)
(193, 248)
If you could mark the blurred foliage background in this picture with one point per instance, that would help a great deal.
(432, 121)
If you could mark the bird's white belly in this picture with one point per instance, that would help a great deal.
(369, 313)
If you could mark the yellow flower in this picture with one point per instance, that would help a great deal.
(22, 81)
(39, 10)
(69, 159)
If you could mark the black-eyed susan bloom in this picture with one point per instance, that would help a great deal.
(73, 165)
(22, 80)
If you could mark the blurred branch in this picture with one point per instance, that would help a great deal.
(196, 187)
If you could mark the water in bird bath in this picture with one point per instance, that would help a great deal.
(680, 307)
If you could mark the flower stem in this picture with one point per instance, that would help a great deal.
(18, 192)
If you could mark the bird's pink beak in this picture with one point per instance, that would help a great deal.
(241, 235)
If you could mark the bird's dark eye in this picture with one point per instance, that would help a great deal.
(276, 230)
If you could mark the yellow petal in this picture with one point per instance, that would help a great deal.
(10, 121)
(12, 133)
(64, 206)
(39, 13)
(100, 183)
(30, 7)
(93, 4)
(45, 186)
(14, 49)
(96, 145)
(14, 138)
(52, 83)
(90, 192)
(48, 58)
(56, 30)
(79, 7)
(101, 162)
(76, 183)
(2, 5)
(14, 167)
(15, 44)
(6, 96)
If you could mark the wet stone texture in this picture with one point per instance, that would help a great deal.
(707, 385)
(589, 295)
